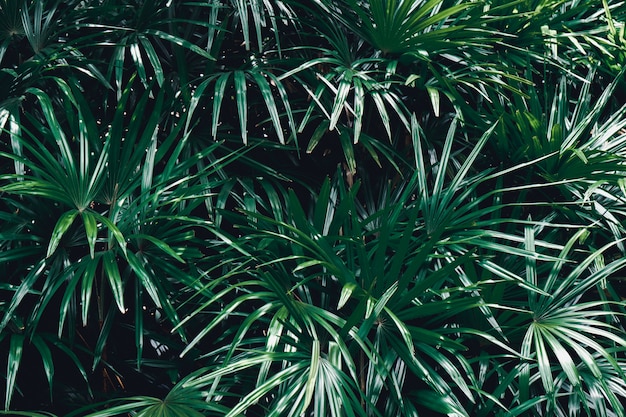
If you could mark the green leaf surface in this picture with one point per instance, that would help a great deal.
(62, 225)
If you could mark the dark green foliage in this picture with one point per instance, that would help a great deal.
(320, 208)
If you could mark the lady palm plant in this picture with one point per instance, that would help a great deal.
(125, 226)
(582, 131)
(404, 304)
(470, 266)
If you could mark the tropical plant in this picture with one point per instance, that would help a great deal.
(335, 207)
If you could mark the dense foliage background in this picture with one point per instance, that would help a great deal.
(321, 208)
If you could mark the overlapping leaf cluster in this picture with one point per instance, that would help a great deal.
(328, 207)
